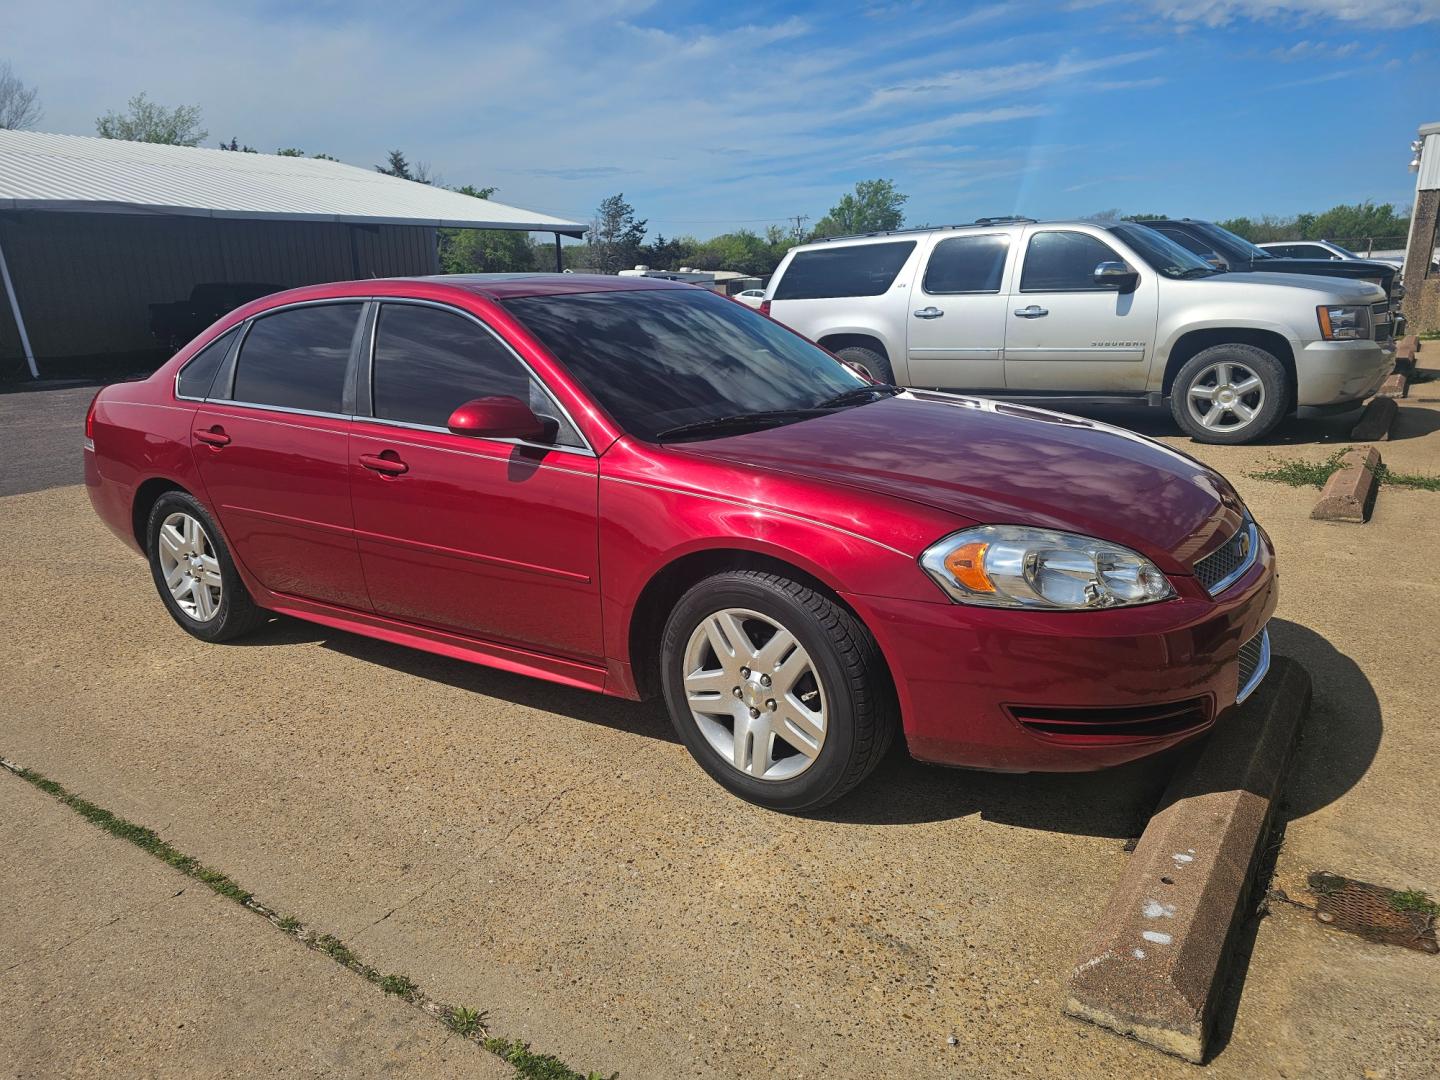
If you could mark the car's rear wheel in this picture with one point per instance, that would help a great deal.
(194, 573)
(870, 360)
(777, 691)
(1230, 394)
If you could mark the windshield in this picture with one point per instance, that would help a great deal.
(1164, 255)
(1226, 238)
(661, 359)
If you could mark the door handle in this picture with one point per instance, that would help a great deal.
(213, 436)
(928, 313)
(1034, 311)
(386, 462)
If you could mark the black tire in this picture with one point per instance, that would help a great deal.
(236, 613)
(870, 360)
(857, 693)
(1268, 405)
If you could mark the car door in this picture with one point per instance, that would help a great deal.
(1066, 333)
(956, 323)
(271, 443)
(492, 538)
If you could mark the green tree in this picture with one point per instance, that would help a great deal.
(484, 251)
(147, 121)
(616, 236)
(665, 254)
(396, 165)
(234, 144)
(874, 206)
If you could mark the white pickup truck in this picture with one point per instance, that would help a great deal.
(1083, 310)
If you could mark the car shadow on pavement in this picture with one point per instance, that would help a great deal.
(1337, 746)
(1413, 423)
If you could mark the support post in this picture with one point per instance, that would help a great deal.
(20, 319)
(559, 261)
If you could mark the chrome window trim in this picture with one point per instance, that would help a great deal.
(1260, 669)
(586, 451)
(1251, 555)
(369, 359)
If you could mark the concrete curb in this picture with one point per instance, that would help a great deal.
(1154, 965)
(1394, 386)
(1405, 350)
(1350, 492)
(1375, 421)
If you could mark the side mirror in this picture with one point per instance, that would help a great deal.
(1117, 276)
(1217, 262)
(497, 418)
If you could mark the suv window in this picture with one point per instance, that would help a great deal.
(967, 264)
(296, 359)
(429, 362)
(199, 372)
(859, 270)
(1188, 242)
(1064, 262)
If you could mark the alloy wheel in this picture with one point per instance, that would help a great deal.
(755, 694)
(190, 566)
(1225, 396)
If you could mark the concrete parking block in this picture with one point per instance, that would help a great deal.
(1350, 492)
(1153, 966)
(1395, 386)
(1375, 421)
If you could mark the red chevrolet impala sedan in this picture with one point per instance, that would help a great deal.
(641, 488)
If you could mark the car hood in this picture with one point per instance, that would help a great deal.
(1339, 268)
(989, 462)
(1335, 288)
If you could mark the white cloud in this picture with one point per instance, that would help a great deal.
(975, 84)
(1380, 13)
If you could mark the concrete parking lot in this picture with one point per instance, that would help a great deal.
(555, 858)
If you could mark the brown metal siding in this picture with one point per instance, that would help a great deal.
(84, 281)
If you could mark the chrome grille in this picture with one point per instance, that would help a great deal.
(1217, 571)
(1380, 320)
(1254, 663)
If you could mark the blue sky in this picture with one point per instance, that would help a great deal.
(711, 116)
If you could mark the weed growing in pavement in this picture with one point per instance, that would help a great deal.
(534, 1066)
(466, 1022)
(1414, 900)
(1315, 473)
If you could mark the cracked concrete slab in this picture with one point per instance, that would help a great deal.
(113, 964)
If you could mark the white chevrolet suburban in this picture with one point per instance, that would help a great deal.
(1085, 310)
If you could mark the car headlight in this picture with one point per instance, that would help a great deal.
(1017, 567)
(1344, 323)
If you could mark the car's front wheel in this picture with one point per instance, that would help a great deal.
(194, 573)
(1230, 394)
(778, 692)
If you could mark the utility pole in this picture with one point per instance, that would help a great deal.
(799, 229)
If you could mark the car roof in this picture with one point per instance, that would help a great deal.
(982, 225)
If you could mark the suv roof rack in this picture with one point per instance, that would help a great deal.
(928, 228)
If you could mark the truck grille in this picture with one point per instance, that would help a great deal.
(1220, 569)
(1254, 663)
(1380, 321)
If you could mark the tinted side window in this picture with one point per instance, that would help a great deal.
(862, 270)
(967, 264)
(297, 358)
(429, 362)
(199, 372)
(1064, 262)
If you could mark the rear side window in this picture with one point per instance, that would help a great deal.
(1064, 262)
(429, 362)
(1188, 242)
(967, 264)
(197, 375)
(860, 270)
(296, 359)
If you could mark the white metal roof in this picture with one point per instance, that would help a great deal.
(92, 175)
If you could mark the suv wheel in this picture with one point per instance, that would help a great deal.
(193, 571)
(1230, 394)
(870, 360)
(780, 694)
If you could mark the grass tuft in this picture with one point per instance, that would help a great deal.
(1413, 900)
(1315, 473)
(399, 985)
(532, 1066)
(466, 1021)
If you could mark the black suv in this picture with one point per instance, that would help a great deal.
(1225, 251)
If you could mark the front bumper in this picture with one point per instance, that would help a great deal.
(1333, 372)
(970, 678)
